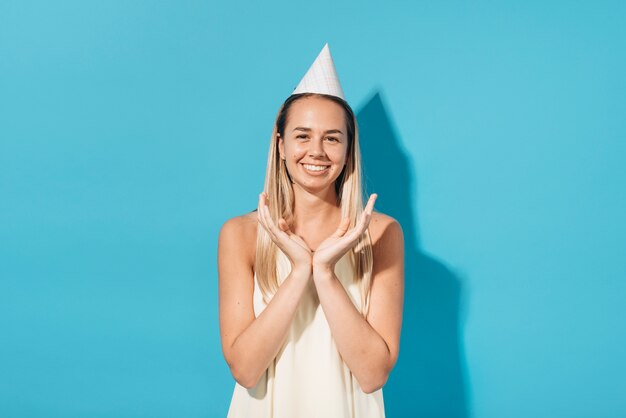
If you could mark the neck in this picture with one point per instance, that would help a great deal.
(315, 208)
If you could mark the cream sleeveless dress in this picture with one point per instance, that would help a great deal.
(308, 378)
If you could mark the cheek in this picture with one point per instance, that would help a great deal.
(295, 152)
(341, 156)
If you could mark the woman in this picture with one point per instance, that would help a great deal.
(311, 283)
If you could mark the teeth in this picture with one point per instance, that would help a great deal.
(315, 167)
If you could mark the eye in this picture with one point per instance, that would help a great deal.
(333, 139)
(301, 136)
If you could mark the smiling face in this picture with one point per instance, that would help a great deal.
(315, 143)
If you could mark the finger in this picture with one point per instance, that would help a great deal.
(260, 203)
(343, 227)
(260, 212)
(370, 203)
(298, 240)
(266, 218)
(367, 212)
(282, 224)
(364, 220)
(281, 233)
(353, 235)
(271, 224)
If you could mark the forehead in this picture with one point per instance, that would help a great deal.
(316, 113)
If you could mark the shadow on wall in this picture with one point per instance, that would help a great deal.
(428, 379)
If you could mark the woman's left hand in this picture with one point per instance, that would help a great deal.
(334, 247)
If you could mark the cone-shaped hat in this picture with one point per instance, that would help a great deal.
(321, 77)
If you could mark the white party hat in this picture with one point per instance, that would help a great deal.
(321, 77)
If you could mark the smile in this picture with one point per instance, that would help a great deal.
(316, 168)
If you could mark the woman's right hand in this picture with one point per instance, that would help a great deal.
(294, 247)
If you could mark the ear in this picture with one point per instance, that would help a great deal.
(281, 146)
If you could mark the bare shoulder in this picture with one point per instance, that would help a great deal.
(384, 227)
(245, 224)
(387, 241)
(240, 232)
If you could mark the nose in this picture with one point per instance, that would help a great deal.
(316, 148)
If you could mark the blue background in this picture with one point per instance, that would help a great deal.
(493, 131)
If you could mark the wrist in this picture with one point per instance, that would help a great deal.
(322, 271)
(302, 270)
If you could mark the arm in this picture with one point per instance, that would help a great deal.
(369, 347)
(250, 344)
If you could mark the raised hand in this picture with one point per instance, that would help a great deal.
(336, 245)
(292, 245)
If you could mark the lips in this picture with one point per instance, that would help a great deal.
(315, 169)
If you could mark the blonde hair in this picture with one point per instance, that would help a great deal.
(280, 197)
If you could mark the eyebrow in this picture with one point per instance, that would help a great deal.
(330, 131)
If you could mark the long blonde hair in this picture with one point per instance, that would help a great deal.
(280, 196)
